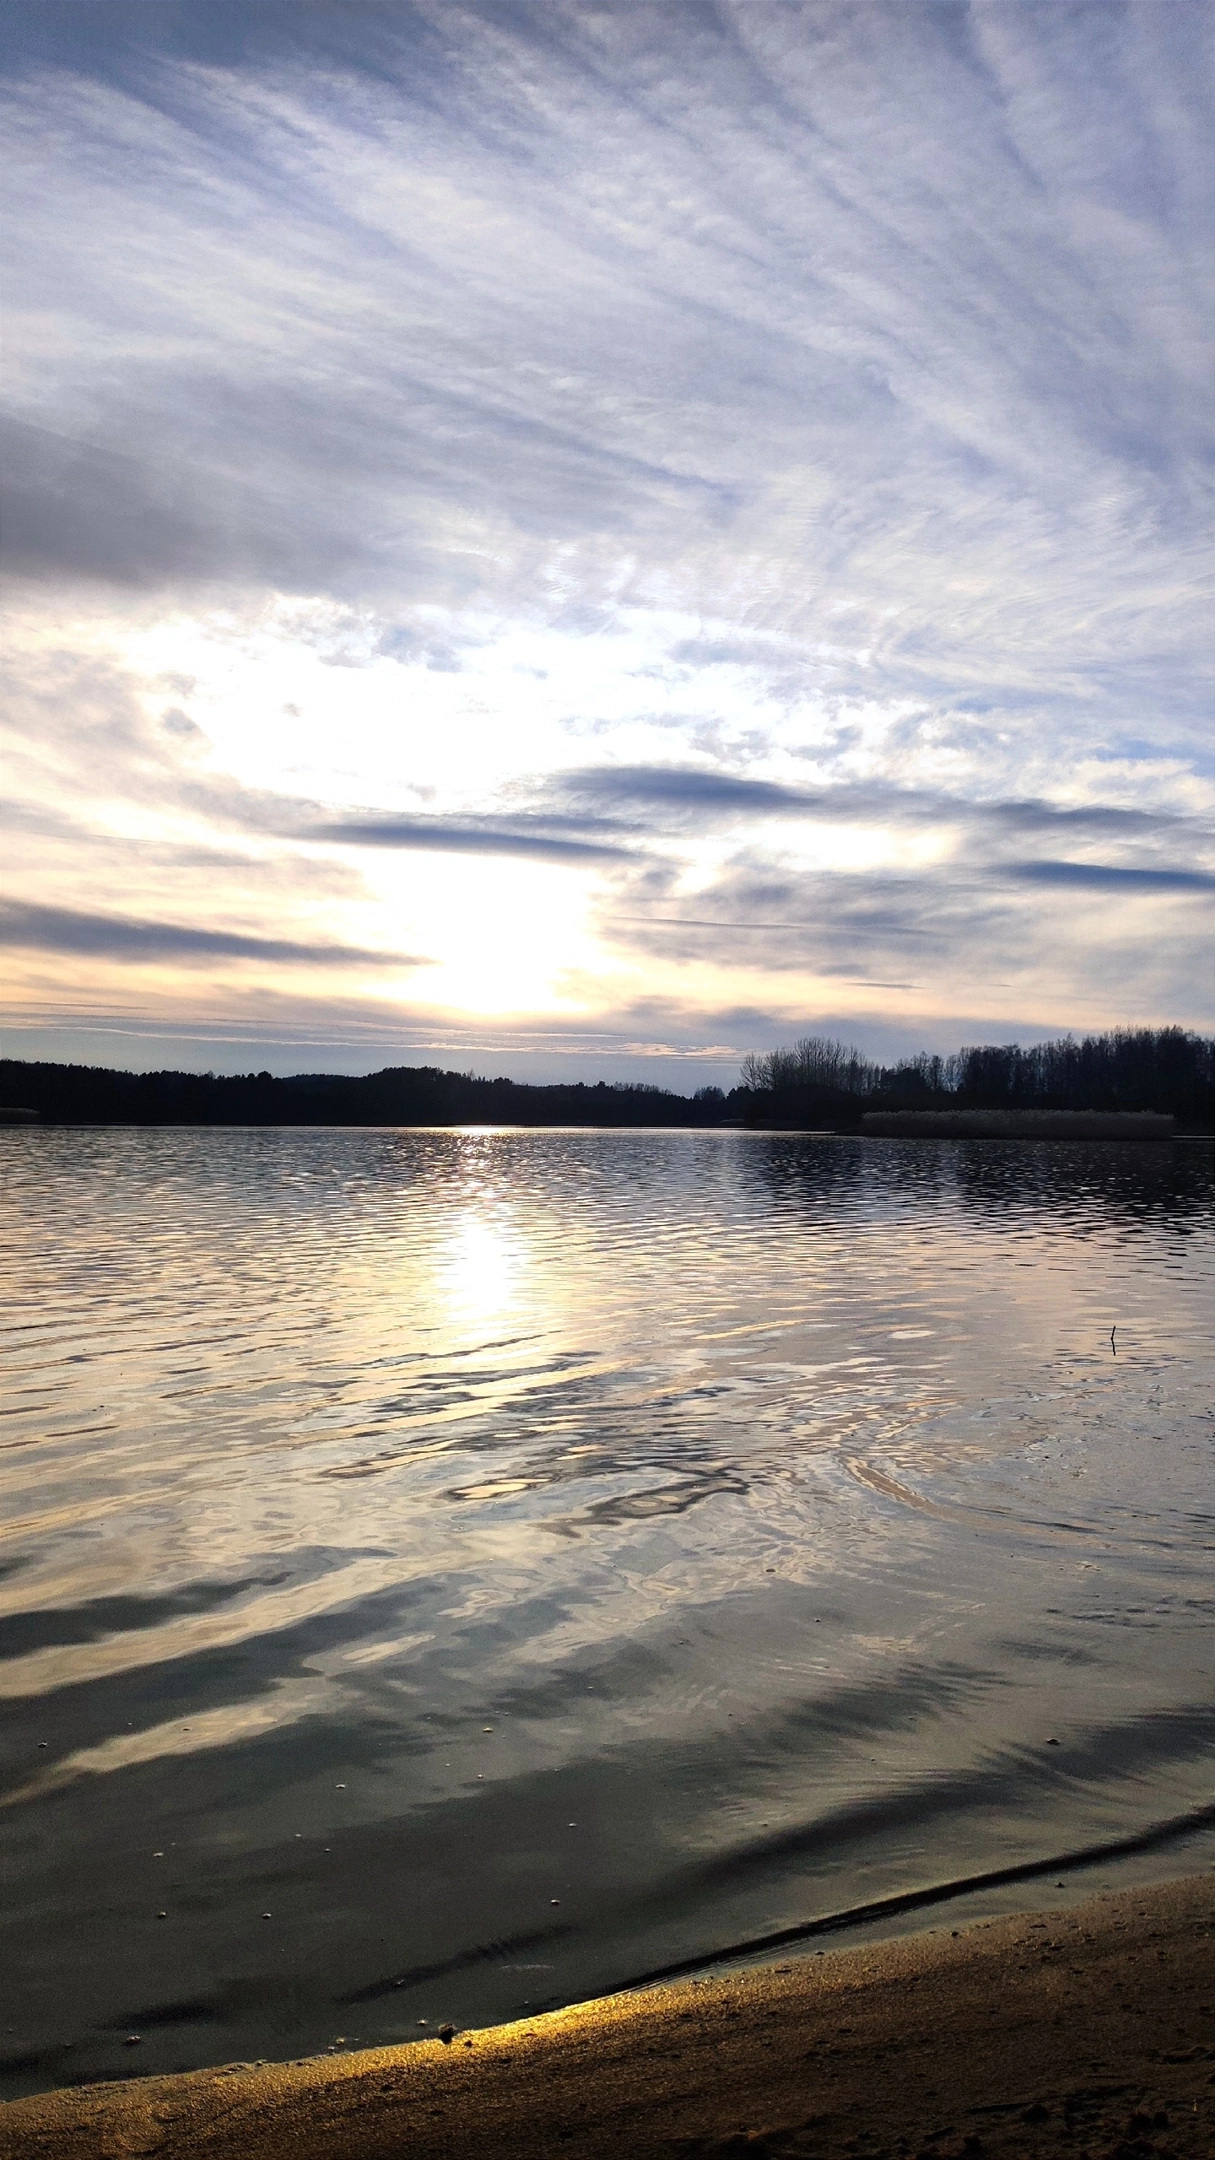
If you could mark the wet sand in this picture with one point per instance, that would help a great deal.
(1087, 2031)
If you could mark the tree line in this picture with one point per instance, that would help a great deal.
(817, 1082)
(1166, 1069)
(399, 1095)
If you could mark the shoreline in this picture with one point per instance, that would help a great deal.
(1087, 2029)
(874, 1125)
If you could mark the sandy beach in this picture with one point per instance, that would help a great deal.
(1087, 2031)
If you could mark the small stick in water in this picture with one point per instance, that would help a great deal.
(1113, 1344)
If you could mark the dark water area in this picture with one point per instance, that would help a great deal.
(444, 1574)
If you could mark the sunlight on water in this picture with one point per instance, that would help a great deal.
(514, 1561)
(482, 1266)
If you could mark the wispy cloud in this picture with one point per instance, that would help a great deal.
(683, 452)
(713, 795)
(1113, 877)
(119, 937)
(453, 836)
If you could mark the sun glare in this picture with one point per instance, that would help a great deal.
(484, 1265)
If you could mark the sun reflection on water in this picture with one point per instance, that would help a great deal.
(484, 1265)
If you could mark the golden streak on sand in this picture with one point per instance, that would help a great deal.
(1087, 2030)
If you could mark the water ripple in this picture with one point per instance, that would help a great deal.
(711, 1533)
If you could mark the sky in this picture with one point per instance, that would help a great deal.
(584, 540)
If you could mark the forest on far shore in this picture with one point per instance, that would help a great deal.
(817, 1082)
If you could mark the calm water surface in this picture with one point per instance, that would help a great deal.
(443, 1573)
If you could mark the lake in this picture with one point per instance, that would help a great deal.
(444, 1574)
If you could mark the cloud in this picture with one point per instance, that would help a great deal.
(683, 434)
(117, 937)
(692, 287)
(455, 837)
(686, 787)
(988, 936)
(664, 799)
(537, 837)
(1112, 877)
(76, 508)
(712, 795)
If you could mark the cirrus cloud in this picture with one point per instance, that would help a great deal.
(687, 454)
